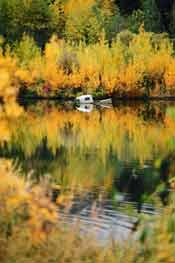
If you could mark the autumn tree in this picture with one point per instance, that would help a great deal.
(108, 17)
(86, 20)
(81, 21)
(172, 23)
(37, 18)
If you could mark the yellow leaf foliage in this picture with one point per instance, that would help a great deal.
(135, 68)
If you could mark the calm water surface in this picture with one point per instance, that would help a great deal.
(111, 163)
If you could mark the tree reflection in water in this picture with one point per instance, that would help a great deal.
(126, 149)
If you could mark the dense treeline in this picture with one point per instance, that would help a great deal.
(83, 20)
(158, 14)
(164, 10)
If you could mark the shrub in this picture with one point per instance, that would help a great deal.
(125, 37)
(68, 61)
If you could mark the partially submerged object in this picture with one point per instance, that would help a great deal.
(88, 99)
(85, 99)
(105, 102)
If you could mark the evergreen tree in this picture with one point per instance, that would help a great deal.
(172, 23)
(128, 6)
(152, 17)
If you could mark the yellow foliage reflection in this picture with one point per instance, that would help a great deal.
(80, 138)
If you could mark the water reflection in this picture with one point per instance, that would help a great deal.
(124, 154)
(85, 107)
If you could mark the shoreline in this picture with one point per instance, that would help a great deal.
(114, 98)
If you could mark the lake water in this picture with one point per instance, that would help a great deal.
(106, 164)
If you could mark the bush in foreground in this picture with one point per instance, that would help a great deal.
(29, 232)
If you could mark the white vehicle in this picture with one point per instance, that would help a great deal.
(85, 99)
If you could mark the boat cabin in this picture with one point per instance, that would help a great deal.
(85, 99)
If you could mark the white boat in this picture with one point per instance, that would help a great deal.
(106, 101)
(85, 99)
(88, 99)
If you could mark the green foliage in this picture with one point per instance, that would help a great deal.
(33, 17)
(152, 18)
(86, 22)
(79, 20)
(11, 13)
(26, 49)
(172, 23)
(109, 17)
(134, 21)
(58, 18)
(82, 24)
